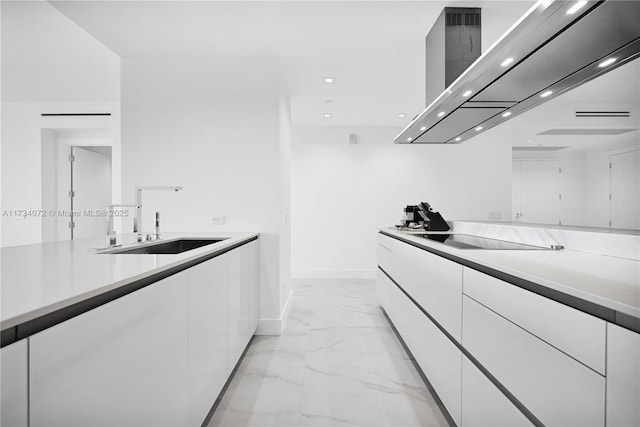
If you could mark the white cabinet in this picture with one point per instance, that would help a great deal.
(158, 356)
(123, 363)
(385, 261)
(207, 335)
(556, 388)
(14, 371)
(383, 291)
(434, 282)
(576, 333)
(483, 404)
(623, 377)
(385, 253)
(242, 299)
(438, 357)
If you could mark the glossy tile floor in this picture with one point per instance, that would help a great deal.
(337, 363)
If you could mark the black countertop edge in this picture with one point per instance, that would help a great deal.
(605, 313)
(33, 326)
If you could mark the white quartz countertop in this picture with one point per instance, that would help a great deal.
(607, 281)
(42, 278)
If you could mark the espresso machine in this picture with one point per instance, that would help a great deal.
(423, 217)
(412, 218)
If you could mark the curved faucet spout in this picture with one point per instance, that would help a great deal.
(137, 220)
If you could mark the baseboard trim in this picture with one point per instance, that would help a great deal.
(334, 274)
(275, 326)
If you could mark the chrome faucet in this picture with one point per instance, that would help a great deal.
(157, 225)
(137, 220)
(110, 230)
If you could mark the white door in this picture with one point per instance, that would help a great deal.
(624, 204)
(92, 190)
(83, 186)
(516, 190)
(536, 191)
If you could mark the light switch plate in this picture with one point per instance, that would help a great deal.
(216, 220)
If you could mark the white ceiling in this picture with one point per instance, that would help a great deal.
(374, 49)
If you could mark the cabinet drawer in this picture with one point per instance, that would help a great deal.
(483, 404)
(434, 282)
(578, 334)
(385, 253)
(383, 290)
(623, 377)
(13, 388)
(555, 387)
(124, 363)
(439, 358)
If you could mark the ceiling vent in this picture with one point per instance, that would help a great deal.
(603, 114)
(585, 132)
(545, 54)
(73, 114)
(538, 148)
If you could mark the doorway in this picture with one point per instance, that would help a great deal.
(536, 191)
(76, 183)
(624, 191)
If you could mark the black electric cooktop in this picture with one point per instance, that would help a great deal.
(467, 241)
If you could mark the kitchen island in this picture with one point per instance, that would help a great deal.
(124, 339)
(517, 337)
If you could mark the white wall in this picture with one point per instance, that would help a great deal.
(49, 183)
(284, 127)
(341, 193)
(46, 57)
(211, 125)
(49, 65)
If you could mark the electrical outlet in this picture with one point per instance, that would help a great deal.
(216, 220)
(496, 216)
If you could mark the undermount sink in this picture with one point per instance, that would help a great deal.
(170, 247)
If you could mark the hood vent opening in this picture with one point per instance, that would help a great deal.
(467, 18)
(603, 114)
(452, 45)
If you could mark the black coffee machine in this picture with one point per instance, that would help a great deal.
(423, 216)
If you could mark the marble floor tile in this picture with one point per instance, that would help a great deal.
(338, 362)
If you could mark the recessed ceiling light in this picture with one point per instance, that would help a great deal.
(479, 128)
(441, 113)
(458, 138)
(576, 7)
(328, 101)
(409, 139)
(467, 93)
(545, 94)
(507, 114)
(329, 80)
(327, 115)
(402, 115)
(506, 62)
(607, 62)
(423, 128)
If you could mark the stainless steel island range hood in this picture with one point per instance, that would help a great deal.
(554, 47)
